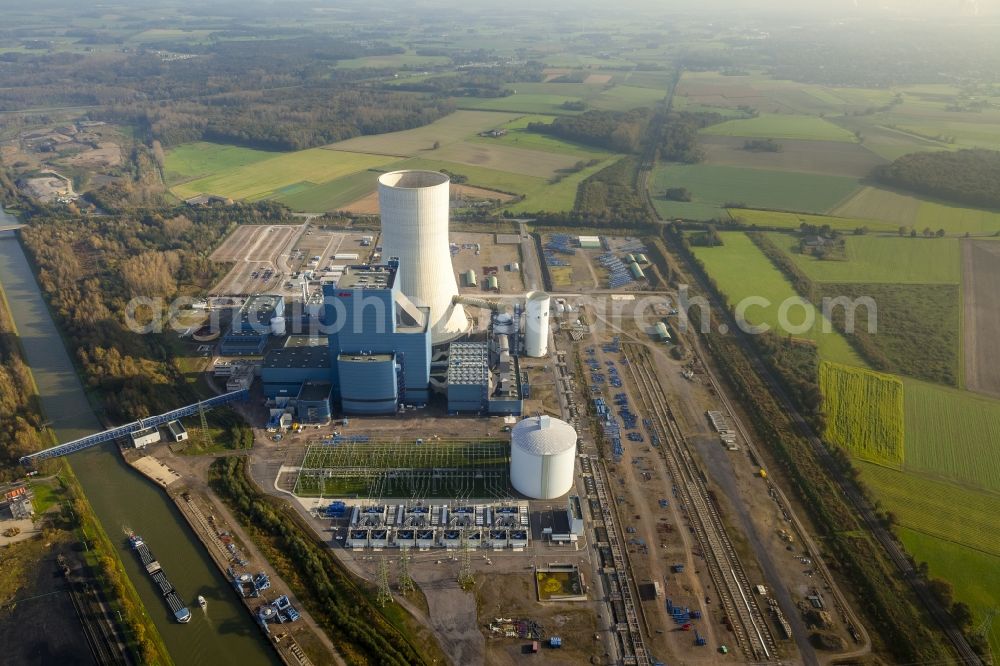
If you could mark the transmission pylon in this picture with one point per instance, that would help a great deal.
(206, 436)
(384, 593)
(466, 579)
(406, 584)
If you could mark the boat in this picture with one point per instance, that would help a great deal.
(202, 602)
(155, 571)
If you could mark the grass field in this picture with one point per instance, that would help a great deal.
(202, 159)
(906, 210)
(780, 126)
(944, 510)
(517, 136)
(918, 327)
(741, 270)
(769, 218)
(864, 412)
(887, 259)
(685, 210)
(830, 158)
(972, 574)
(452, 128)
(953, 434)
(756, 188)
(284, 174)
(334, 194)
(506, 157)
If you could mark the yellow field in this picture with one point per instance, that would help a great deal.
(283, 174)
(864, 412)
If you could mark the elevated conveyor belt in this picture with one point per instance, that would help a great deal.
(125, 430)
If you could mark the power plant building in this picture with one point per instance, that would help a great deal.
(468, 376)
(542, 457)
(302, 359)
(259, 316)
(368, 315)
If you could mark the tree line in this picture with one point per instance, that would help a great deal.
(966, 177)
(620, 131)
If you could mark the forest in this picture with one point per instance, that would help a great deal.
(620, 131)
(966, 177)
(273, 94)
(20, 415)
(90, 267)
(679, 142)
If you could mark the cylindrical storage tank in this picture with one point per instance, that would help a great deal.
(492, 283)
(636, 271)
(641, 259)
(661, 331)
(503, 343)
(629, 258)
(414, 209)
(542, 456)
(277, 326)
(536, 324)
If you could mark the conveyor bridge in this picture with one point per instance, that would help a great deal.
(126, 430)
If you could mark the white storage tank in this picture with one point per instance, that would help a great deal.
(542, 457)
(536, 324)
(278, 326)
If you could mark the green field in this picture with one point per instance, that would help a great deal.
(685, 210)
(454, 127)
(741, 270)
(910, 211)
(885, 259)
(201, 159)
(286, 173)
(779, 126)
(756, 188)
(864, 412)
(944, 510)
(333, 194)
(769, 218)
(953, 434)
(972, 574)
(519, 137)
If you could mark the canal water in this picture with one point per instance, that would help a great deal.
(225, 632)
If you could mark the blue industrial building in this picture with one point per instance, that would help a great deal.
(368, 316)
(253, 324)
(313, 402)
(302, 359)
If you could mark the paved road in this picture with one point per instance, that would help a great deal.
(530, 268)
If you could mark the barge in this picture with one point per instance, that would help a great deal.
(181, 613)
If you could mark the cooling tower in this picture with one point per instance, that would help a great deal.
(414, 208)
(536, 324)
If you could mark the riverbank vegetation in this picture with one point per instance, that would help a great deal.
(338, 602)
(20, 414)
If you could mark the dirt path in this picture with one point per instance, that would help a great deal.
(981, 306)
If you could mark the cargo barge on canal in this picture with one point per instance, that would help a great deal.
(181, 613)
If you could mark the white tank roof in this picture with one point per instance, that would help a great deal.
(543, 436)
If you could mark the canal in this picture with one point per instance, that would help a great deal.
(225, 632)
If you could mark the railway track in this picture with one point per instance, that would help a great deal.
(749, 626)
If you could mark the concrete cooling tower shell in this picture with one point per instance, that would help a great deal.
(536, 324)
(542, 457)
(414, 209)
